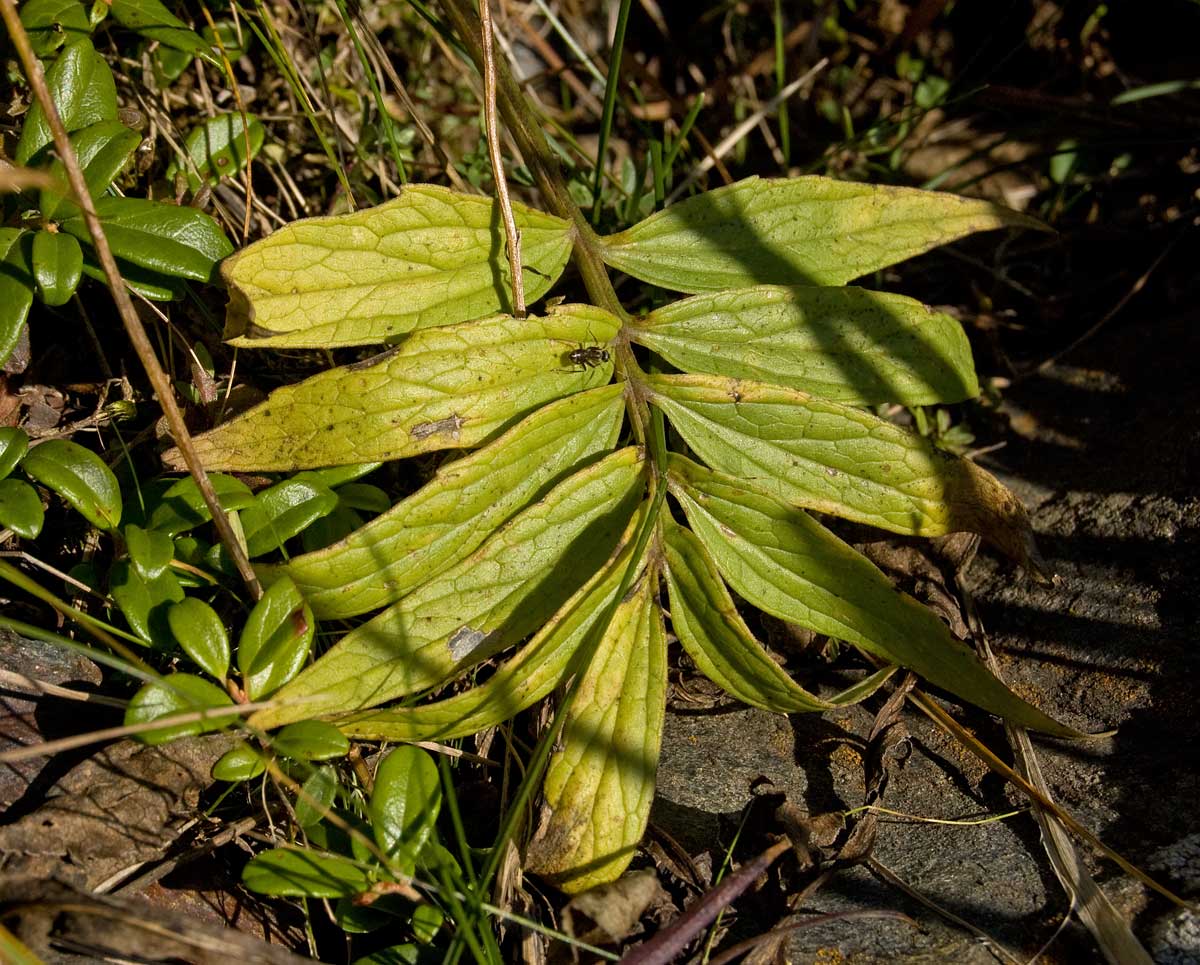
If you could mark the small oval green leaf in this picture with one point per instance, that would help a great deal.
(80, 477)
(103, 149)
(165, 238)
(316, 796)
(14, 443)
(283, 511)
(405, 801)
(57, 266)
(20, 508)
(275, 640)
(240, 763)
(16, 289)
(182, 507)
(145, 602)
(218, 148)
(82, 88)
(53, 23)
(178, 693)
(287, 873)
(365, 497)
(155, 22)
(151, 551)
(311, 740)
(201, 634)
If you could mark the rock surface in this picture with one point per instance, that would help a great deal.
(1103, 451)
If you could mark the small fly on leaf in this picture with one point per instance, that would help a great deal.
(588, 356)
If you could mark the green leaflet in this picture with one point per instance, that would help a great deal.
(451, 515)
(83, 90)
(848, 344)
(443, 388)
(600, 783)
(722, 646)
(837, 459)
(505, 590)
(794, 231)
(430, 257)
(782, 561)
(528, 676)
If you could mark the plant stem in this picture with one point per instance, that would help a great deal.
(512, 235)
(525, 130)
(133, 325)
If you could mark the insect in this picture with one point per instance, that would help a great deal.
(588, 356)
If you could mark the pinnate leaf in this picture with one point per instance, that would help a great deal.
(443, 388)
(505, 590)
(837, 459)
(430, 257)
(712, 632)
(794, 231)
(600, 783)
(465, 502)
(528, 676)
(783, 562)
(848, 344)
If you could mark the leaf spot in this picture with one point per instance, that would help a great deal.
(449, 426)
(465, 641)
